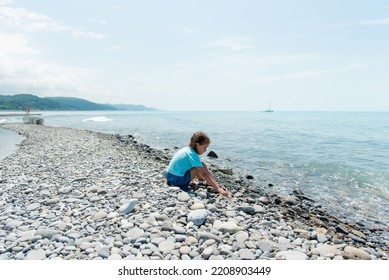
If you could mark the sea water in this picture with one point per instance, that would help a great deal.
(8, 142)
(339, 159)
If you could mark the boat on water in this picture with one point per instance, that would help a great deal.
(270, 109)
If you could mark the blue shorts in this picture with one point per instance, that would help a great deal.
(181, 182)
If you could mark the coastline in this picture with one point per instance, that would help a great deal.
(9, 142)
(63, 191)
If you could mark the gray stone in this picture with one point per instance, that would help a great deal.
(103, 252)
(52, 201)
(207, 235)
(207, 252)
(198, 217)
(321, 237)
(65, 190)
(264, 245)
(46, 233)
(167, 226)
(33, 206)
(246, 209)
(13, 224)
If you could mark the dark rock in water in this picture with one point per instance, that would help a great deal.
(270, 185)
(212, 154)
(249, 177)
(298, 192)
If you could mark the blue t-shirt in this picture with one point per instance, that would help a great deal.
(184, 160)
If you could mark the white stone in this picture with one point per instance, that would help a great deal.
(291, 255)
(229, 227)
(128, 207)
(166, 246)
(351, 252)
(36, 255)
(183, 197)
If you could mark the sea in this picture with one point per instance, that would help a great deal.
(339, 159)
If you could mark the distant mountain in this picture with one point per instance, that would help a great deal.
(23, 101)
(130, 107)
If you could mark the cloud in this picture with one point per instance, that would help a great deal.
(382, 21)
(21, 20)
(307, 74)
(232, 43)
(5, 2)
(24, 67)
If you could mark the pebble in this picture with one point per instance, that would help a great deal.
(36, 255)
(229, 227)
(198, 217)
(128, 207)
(291, 255)
(166, 246)
(183, 197)
(353, 253)
(108, 200)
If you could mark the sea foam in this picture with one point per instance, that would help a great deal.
(98, 119)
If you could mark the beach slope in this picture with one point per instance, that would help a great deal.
(76, 194)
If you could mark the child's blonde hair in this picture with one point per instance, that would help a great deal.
(199, 137)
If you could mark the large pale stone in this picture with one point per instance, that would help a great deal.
(351, 252)
(291, 255)
(199, 216)
(129, 206)
(229, 227)
(183, 197)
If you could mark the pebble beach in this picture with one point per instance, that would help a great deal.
(78, 194)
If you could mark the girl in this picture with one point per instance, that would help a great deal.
(186, 165)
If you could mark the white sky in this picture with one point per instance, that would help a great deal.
(200, 54)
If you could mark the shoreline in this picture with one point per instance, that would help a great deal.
(63, 190)
(18, 114)
(11, 141)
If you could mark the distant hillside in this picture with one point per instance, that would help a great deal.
(130, 107)
(23, 101)
(78, 104)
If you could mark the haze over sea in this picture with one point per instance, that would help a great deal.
(339, 159)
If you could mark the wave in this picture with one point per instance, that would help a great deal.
(98, 119)
(3, 120)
